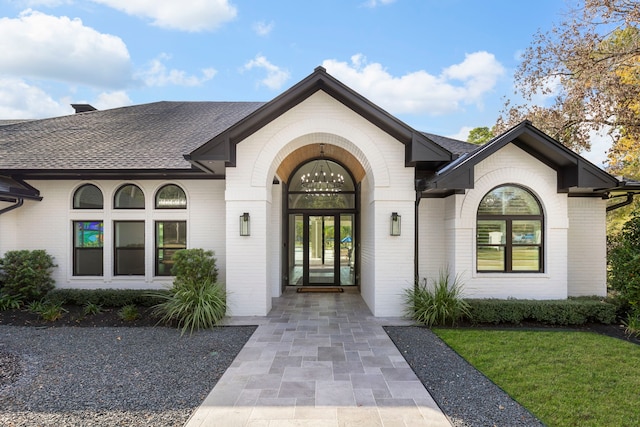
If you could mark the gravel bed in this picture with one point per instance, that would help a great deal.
(465, 395)
(110, 376)
(146, 376)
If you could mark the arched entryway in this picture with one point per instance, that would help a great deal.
(321, 205)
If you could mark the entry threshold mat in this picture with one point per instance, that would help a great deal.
(319, 289)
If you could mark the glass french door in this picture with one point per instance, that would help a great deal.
(321, 249)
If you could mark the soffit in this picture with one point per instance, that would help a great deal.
(311, 152)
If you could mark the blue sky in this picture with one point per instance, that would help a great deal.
(442, 66)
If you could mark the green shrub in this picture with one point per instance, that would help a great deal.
(105, 297)
(632, 324)
(194, 265)
(196, 300)
(129, 313)
(48, 310)
(573, 311)
(27, 273)
(91, 308)
(37, 306)
(438, 304)
(10, 302)
(624, 262)
(193, 305)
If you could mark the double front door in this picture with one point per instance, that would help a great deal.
(321, 249)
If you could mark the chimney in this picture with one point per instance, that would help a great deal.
(83, 108)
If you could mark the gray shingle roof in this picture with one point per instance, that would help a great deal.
(453, 145)
(140, 137)
(148, 136)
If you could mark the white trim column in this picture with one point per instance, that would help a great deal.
(248, 293)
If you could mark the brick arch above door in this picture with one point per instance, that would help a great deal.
(313, 151)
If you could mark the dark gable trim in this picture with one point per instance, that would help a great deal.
(13, 189)
(572, 170)
(419, 148)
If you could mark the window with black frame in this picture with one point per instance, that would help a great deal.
(129, 196)
(88, 241)
(129, 248)
(171, 236)
(509, 231)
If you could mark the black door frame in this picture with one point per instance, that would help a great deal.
(286, 212)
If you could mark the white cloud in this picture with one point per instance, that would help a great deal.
(462, 134)
(158, 75)
(263, 28)
(62, 49)
(183, 15)
(420, 92)
(276, 77)
(376, 3)
(108, 100)
(19, 100)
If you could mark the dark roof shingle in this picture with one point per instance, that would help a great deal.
(147, 136)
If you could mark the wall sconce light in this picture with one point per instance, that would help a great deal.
(395, 224)
(245, 230)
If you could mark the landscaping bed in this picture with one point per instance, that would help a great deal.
(73, 315)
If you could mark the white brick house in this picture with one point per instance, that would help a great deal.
(112, 194)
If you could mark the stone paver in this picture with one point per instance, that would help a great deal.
(318, 359)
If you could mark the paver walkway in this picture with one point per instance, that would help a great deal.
(319, 360)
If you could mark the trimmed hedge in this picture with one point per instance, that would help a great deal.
(573, 311)
(105, 297)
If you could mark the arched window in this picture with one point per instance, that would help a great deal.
(129, 196)
(509, 232)
(322, 184)
(88, 196)
(171, 196)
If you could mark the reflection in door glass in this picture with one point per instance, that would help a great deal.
(346, 250)
(296, 260)
(321, 250)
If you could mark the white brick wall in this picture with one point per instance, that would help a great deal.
(251, 266)
(387, 265)
(587, 252)
(48, 225)
(508, 165)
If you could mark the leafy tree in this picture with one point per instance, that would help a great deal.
(590, 64)
(479, 135)
(624, 258)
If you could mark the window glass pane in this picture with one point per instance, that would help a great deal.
(129, 197)
(88, 197)
(490, 232)
(322, 201)
(491, 258)
(88, 234)
(171, 197)
(171, 236)
(509, 200)
(296, 257)
(526, 232)
(526, 258)
(323, 176)
(87, 253)
(129, 247)
(347, 257)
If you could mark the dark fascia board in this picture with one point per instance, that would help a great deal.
(120, 174)
(223, 146)
(15, 189)
(573, 170)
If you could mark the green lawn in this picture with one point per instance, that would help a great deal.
(564, 378)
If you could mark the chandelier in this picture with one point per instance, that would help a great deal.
(321, 179)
